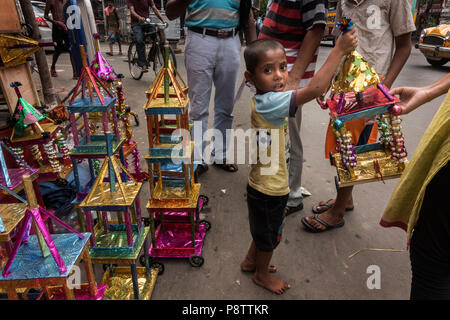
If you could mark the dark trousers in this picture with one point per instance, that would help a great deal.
(138, 34)
(430, 242)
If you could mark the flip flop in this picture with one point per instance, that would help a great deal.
(227, 167)
(328, 205)
(328, 227)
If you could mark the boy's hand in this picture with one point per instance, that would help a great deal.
(347, 42)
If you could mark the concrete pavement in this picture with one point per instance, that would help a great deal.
(316, 265)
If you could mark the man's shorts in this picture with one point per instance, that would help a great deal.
(61, 38)
(113, 36)
(266, 217)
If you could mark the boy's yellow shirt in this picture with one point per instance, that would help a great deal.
(271, 178)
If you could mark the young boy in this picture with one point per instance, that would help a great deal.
(267, 193)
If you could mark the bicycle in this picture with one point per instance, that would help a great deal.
(155, 49)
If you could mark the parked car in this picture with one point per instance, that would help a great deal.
(434, 43)
(45, 26)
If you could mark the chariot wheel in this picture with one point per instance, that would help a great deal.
(157, 265)
(206, 223)
(196, 260)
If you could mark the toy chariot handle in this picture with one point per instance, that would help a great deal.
(16, 85)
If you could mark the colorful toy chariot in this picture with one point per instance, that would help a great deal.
(357, 92)
(175, 198)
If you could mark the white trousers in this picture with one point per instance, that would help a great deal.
(211, 60)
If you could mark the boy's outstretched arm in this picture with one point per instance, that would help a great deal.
(319, 84)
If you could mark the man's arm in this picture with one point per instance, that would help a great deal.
(403, 47)
(305, 55)
(158, 14)
(134, 14)
(119, 20)
(412, 98)
(175, 8)
(250, 31)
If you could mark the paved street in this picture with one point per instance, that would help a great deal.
(316, 265)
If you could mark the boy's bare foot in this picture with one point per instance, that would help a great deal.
(249, 266)
(271, 283)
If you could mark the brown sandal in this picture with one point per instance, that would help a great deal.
(227, 167)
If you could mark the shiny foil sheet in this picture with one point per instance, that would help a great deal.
(29, 263)
(113, 256)
(11, 215)
(15, 178)
(371, 98)
(355, 75)
(105, 197)
(115, 239)
(31, 137)
(120, 285)
(167, 198)
(365, 170)
(57, 293)
(175, 241)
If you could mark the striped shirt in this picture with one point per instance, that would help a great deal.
(288, 21)
(215, 14)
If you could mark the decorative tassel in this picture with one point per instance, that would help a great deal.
(52, 157)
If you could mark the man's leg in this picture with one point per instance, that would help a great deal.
(140, 45)
(74, 72)
(295, 201)
(225, 78)
(56, 55)
(57, 40)
(335, 214)
(119, 44)
(200, 54)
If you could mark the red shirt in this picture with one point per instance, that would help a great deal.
(288, 21)
(141, 7)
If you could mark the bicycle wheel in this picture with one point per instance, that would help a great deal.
(159, 58)
(135, 70)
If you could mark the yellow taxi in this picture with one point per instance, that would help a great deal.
(434, 43)
(331, 19)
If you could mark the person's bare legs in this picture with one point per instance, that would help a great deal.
(335, 214)
(110, 48)
(325, 204)
(56, 55)
(263, 278)
(74, 75)
(249, 262)
(120, 47)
